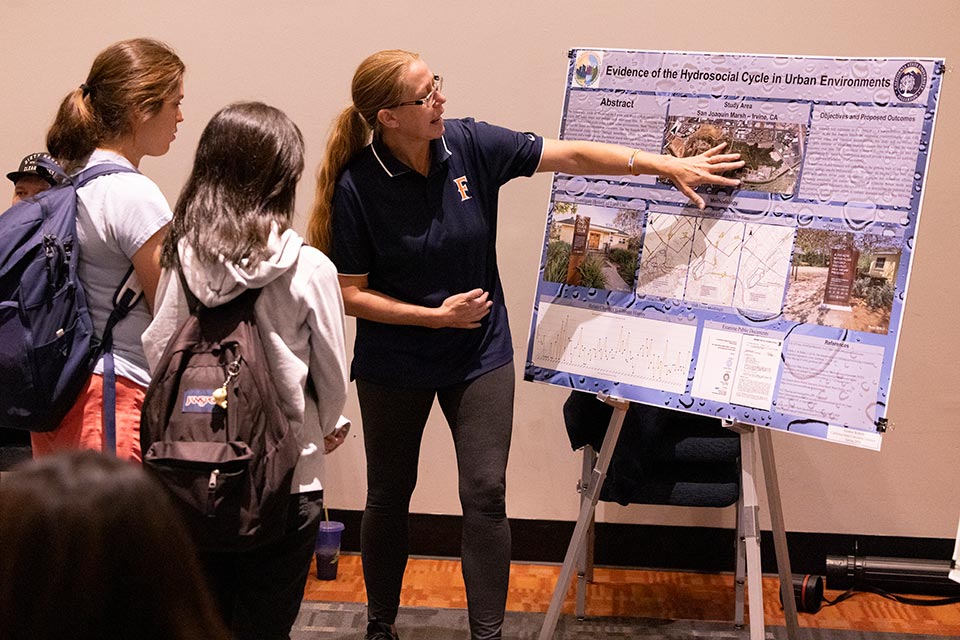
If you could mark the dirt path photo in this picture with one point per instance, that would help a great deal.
(804, 303)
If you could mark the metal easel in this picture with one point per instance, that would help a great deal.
(752, 439)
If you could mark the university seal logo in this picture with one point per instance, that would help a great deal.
(910, 81)
(586, 71)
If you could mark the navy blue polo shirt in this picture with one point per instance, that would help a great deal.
(421, 239)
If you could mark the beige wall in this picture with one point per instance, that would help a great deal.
(506, 62)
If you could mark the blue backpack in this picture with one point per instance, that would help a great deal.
(47, 343)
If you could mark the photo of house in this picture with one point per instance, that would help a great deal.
(604, 257)
(600, 238)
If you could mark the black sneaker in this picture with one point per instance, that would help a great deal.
(379, 631)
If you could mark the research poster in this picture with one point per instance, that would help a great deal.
(780, 303)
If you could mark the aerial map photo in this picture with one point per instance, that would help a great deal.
(772, 151)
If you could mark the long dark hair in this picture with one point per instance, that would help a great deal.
(91, 548)
(244, 179)
(128, 79)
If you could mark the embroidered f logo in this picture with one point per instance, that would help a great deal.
(461, 183)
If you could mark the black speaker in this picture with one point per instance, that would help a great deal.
(904, 575)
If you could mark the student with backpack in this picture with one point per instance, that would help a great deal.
(28, 180)
(128, 107)
(231, 240)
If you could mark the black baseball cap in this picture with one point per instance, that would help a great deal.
(29, 167)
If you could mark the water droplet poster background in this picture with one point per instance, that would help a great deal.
(836, 153)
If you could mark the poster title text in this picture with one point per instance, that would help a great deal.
(748, 78)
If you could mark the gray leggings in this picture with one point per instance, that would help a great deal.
(480, 415)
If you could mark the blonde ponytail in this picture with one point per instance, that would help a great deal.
(377, 84)
(350, 134)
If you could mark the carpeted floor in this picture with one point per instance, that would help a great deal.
(347, 621)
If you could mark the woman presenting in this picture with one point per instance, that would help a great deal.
(406, 208)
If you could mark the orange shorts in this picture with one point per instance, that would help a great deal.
(82, 427)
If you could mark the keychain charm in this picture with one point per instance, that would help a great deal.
(220, 393)
(220, 397)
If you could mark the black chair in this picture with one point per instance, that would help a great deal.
(662, 457)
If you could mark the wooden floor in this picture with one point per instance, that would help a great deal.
(656, 594)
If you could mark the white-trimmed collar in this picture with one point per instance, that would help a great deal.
(393, 167)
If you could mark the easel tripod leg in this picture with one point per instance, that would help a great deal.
(585, 554)
(740, 573)
(779, 532)
(749, 528)
(587, 507)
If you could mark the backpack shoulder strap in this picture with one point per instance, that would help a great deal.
(98, 170)
(193, 303)
(54, 169)
(129, 291)
(126, 296)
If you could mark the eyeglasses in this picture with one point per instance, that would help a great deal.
(429, 100)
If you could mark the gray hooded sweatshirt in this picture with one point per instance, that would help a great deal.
(301, 320)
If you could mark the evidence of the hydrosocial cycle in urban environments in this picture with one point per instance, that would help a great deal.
(779, 304)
